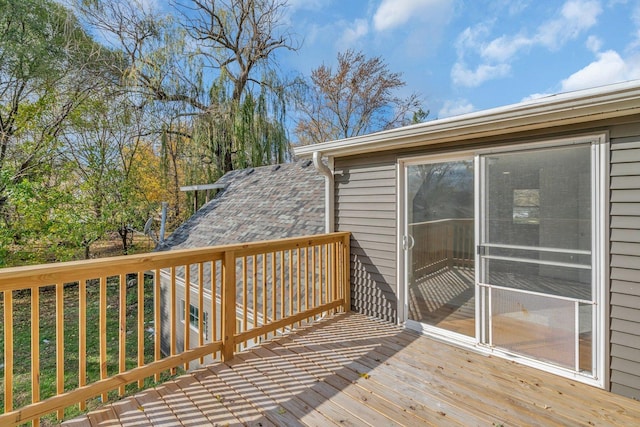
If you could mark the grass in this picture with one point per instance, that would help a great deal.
(22, 340)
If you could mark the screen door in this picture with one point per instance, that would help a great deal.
(535, 254)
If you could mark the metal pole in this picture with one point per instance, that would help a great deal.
(163, 221)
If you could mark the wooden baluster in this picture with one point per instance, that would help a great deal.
(172, 316)
(201, 335)
(327, 274)
(298, 277)
(140, 323)
(346, 273)
(307, 293)
(122, 335)
(282, 287)
(290, 281)
(245, 297)
(264, 290)
(8, 350)
(314, 268)
(214, 303)
(157, 326)
(35, 348)
(274, 287)
(334, 273)
(255, 290)
(60, 343)
(103, 332)
(186, 334)
(82, 338)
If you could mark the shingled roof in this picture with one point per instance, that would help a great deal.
(263, 203)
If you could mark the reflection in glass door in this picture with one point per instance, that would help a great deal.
(440, 245)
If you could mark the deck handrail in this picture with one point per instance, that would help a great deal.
(248, 292)
(442, 243)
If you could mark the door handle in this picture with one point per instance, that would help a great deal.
(408, 242)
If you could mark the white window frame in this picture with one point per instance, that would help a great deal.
(194, 318)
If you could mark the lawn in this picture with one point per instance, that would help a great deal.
(22, 339)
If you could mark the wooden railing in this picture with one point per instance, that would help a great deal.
(442, 243)
(114, 316)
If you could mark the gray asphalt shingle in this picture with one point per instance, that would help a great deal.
(263, 203)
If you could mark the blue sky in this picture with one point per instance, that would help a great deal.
(469, 55)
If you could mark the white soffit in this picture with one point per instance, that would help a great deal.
(616, 100)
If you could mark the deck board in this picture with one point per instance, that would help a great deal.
(351, 370)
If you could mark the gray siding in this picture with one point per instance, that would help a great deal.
(625, 260)
(365, 205)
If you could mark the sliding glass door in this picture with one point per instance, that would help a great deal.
(500, 252)
(440, 244)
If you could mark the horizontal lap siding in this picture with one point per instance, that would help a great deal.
(625, 261)
(365, 205)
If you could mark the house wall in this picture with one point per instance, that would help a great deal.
(165, 327)
(365, 205)
(625, 260)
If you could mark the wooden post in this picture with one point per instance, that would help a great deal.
(228, 305)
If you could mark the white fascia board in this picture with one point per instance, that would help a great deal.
(604, 102)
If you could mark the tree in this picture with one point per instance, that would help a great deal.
(356, 98)
(49, 66)
(211, 63)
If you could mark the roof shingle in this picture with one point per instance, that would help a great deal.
(263, 203)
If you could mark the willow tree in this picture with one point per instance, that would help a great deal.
(209, 59)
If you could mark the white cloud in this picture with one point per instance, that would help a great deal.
(495, 56)
(354, 31)
(461, 75)
(455, 108)
(594, 44)
(394, 13)
(609, 67)
(575, 17)
(503, 48)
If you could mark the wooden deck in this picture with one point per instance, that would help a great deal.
(351, 370)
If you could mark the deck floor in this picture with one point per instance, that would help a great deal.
(352, 370)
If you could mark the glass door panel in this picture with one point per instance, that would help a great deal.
(440, 245)
(535, 254)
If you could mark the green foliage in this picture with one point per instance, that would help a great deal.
(95, 135)
(251, 132)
